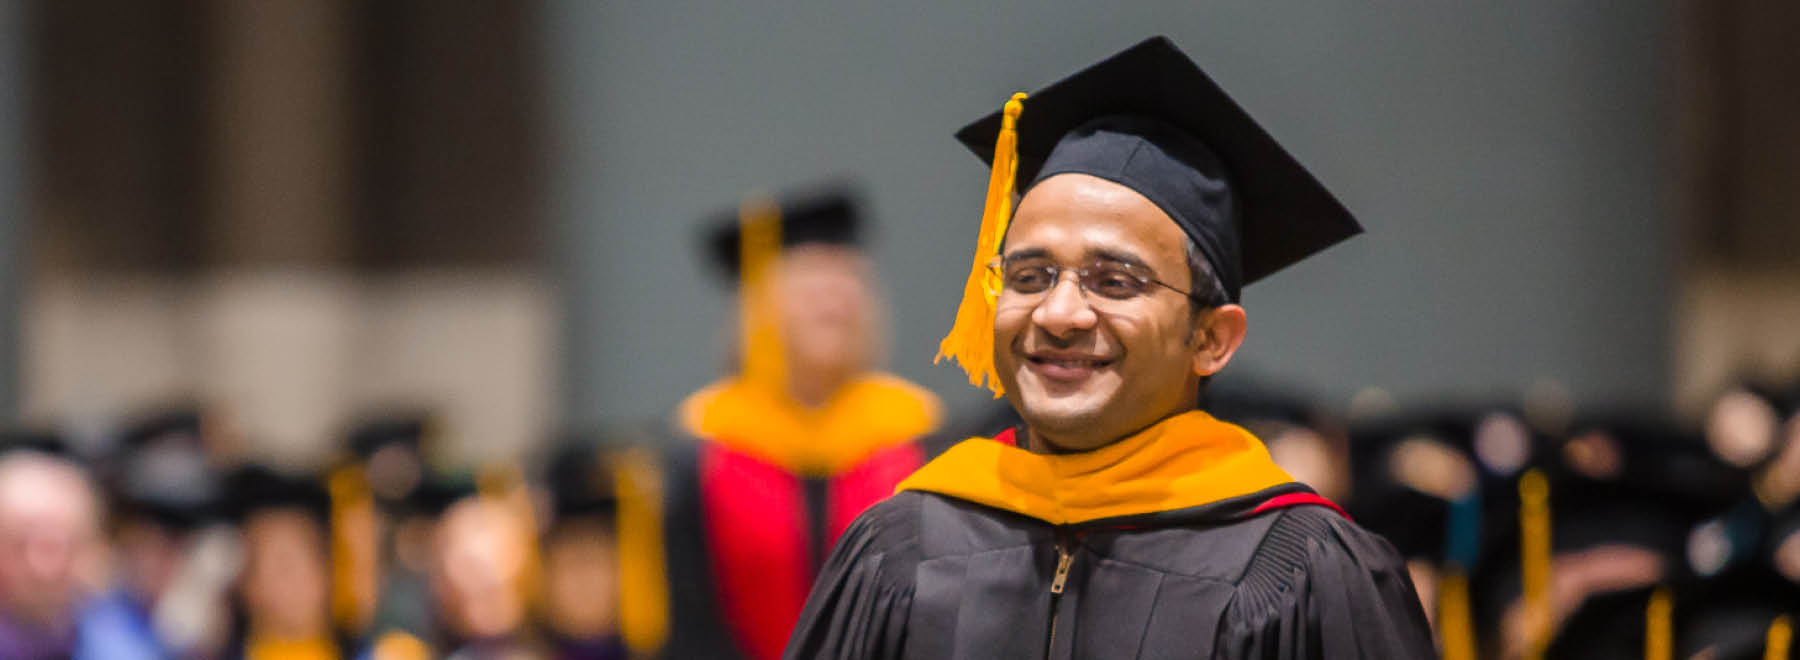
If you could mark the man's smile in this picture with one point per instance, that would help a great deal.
(1066, 366)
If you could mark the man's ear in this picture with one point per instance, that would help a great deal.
(1221, 331)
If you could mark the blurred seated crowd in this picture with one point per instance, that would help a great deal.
(164, 541)
(1537, 529)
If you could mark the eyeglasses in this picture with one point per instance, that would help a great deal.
(1110, 280)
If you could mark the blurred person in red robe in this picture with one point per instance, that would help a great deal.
(803, 436)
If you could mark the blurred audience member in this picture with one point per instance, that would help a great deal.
(173, 561)
(283, 592)
(481, 573)
(49, 548)
(795, 443)
(378, 580)
(581, 558)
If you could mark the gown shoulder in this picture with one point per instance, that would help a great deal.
(859, 605)
(1319, 586)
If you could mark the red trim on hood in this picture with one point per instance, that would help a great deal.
(1298, 499)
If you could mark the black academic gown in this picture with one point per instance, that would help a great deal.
(923, 575)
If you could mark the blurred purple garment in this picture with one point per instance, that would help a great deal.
(116, 626)
(21, 641)
(606, 648)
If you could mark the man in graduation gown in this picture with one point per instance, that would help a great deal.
(1119, 521)
(803, 436)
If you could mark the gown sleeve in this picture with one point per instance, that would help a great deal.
(1322, 588)
(858, 606)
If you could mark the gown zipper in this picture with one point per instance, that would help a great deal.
(1064, 557)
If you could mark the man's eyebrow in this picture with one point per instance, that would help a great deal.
(1105, 254)
(1027, 253)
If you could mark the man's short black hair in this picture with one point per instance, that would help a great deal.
(1205, 292)
(1205, 289)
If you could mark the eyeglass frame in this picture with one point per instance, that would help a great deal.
(996, 279)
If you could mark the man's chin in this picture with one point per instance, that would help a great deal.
(1058, 416)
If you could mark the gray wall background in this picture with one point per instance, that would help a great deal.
(12, 196)
(1510, 161)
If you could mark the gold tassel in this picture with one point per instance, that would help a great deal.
(1455, 631)
(643, 579)
(351, 504)
(1659, 627)
(1534, 551)
(1781, 636)
(971, 338)
(759, 250)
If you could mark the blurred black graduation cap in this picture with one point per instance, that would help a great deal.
(1242, 402)
(828, 214)
(31, 439)
(392, 452)
(439, 491)
(181, 425)
(581, 483)
(162, 472)
(406, 431)
(1730, 614)
(256, 488)
(1148, 118)
(1651, 457)
(1411, 471)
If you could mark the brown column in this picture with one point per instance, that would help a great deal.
(276, 312)
(282, 132)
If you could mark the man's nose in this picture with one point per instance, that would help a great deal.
(1064, 309)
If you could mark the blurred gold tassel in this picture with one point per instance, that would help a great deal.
(1781, 636)
(1659, 627)
(399, 645)
(643, 583)
(1456, 632)
(351, 504)
(759, 250)
(971, 338)
(1534, 552)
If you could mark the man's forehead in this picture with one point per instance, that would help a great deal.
(823, 253)
(1091, 254)
(823, 260)
(1100, 217)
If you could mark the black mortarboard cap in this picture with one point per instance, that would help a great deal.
(830, 214)
(179, 425)
(163, 471)
(1415, 518)
(391, 452)
(580, 483)
(1664, 461)
(1729, 615)
(256, 488)
(1148, 118)
(440, 491)
(372, 436)
(38, 440)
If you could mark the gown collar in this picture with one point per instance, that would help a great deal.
(1186, 461)
(871, 413)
